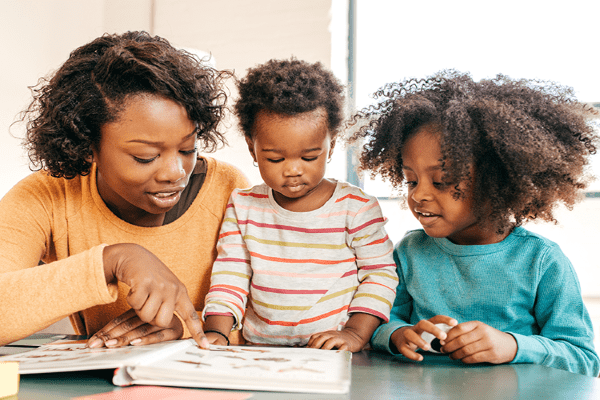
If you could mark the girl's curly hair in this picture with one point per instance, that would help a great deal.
(92, 86)
(527, 141)
(289, 87)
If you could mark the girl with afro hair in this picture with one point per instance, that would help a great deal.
(479, 159)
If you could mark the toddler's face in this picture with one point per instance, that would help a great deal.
(292, 154)
(431, 201)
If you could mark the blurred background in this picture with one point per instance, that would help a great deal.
(366, 43)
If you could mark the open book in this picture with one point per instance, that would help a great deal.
(183, 363)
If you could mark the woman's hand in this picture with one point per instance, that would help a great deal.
(155, 292)
(408, 339)
(128, 328)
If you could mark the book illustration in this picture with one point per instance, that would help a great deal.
(60, 353)
(266, 361)
(64, 355)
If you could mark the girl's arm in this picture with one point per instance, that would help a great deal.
(566, 337)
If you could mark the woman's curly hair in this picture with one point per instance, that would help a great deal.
(289, 87)
(527, 141)
(92, 86)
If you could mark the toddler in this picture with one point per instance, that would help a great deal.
(311, 254)
(479, 159)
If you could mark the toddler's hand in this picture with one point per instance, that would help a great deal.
(408, 339)
(476, 342)
(345, 339)
(215, 338)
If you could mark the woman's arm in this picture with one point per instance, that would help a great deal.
(32, 222)
(35, 296)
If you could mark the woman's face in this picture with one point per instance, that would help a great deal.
(145, 159)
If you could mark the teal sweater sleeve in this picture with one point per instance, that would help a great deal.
(523, 285)
(565, 340)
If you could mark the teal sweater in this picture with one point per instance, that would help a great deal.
(523, 285)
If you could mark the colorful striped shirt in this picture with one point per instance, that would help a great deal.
(303, 272)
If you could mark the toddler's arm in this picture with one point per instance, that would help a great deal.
(231, 273)
(355, 335)
(377, 274)
(217, 328)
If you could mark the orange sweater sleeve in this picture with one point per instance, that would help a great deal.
(35, 296)
(66, 224)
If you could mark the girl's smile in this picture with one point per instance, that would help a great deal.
(425, 218)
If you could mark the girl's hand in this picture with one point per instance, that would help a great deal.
(475, 342)
(128, 328)
(408, 339)
(156, 293)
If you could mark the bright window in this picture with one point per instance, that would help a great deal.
(522, 39)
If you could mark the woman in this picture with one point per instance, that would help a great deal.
(123, 212)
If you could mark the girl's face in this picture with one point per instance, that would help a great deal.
(145, 159)
(292, 154)
(431, 201)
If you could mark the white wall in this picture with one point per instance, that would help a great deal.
(39, 35)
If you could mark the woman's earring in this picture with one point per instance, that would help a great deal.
(255, 163)
(328, 161)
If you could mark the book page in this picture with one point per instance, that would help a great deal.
(66, 355)
(251, 368)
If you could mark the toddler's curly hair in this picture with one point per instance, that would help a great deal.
(527, 141)
(289, 87)
(91, 88)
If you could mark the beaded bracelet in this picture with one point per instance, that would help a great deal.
(219, 333)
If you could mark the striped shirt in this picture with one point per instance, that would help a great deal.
(303, 272)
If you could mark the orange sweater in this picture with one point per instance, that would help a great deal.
(66, 224)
